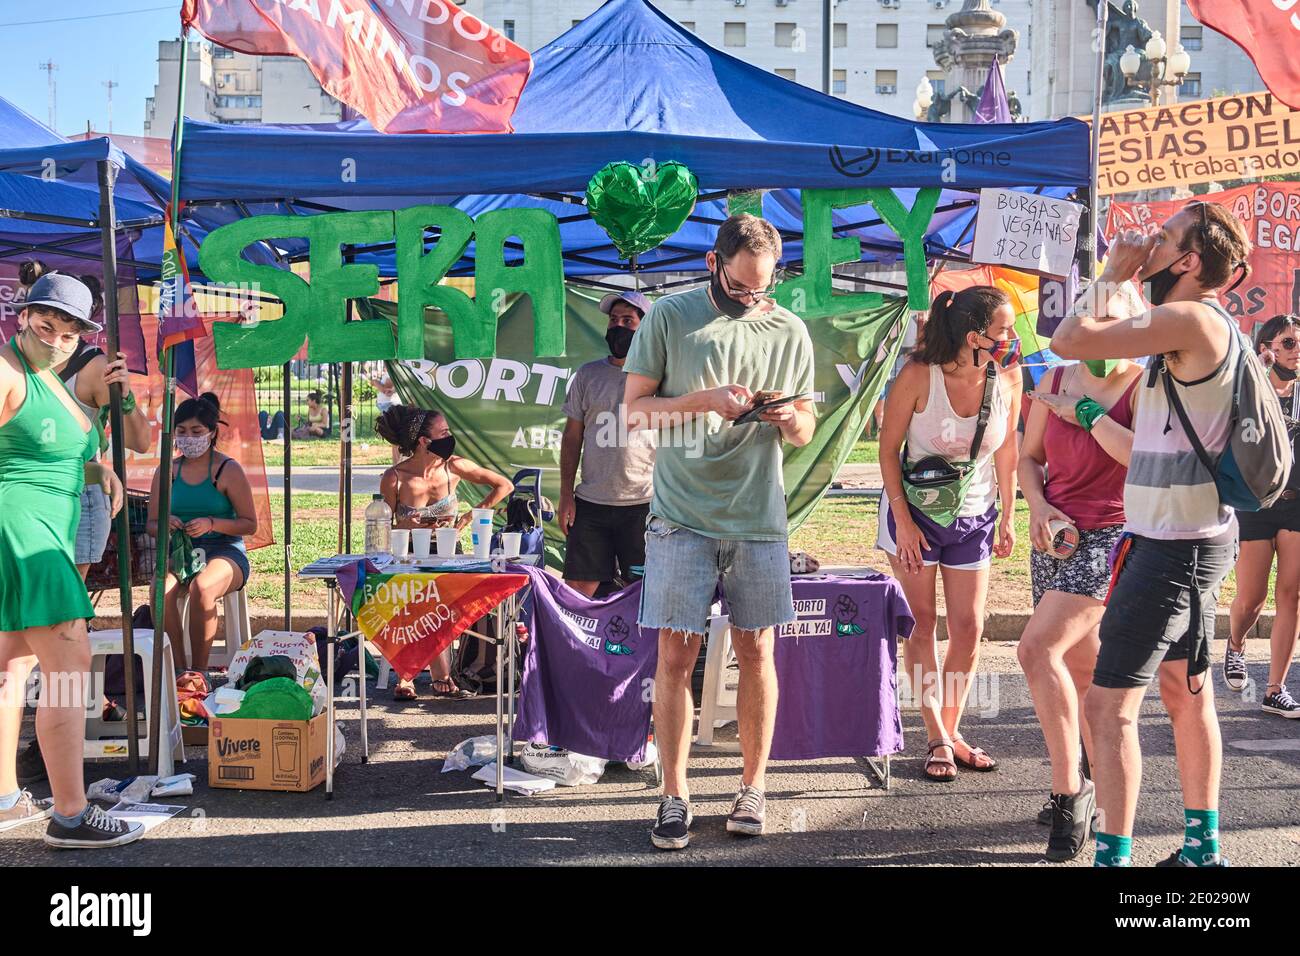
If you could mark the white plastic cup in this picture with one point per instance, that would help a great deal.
(399, 539)
(420, 539)
(510, 543)
(481, 532)
(447, 540)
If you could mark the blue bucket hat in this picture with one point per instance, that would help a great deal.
(67, 294)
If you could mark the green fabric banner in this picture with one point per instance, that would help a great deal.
(506, 412)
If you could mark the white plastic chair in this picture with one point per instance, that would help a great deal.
(235, 633)
(109, 738)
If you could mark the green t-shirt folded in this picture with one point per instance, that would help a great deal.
(277, 698)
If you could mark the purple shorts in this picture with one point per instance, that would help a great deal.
(966, 545)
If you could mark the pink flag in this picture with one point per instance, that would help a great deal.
(408, 66)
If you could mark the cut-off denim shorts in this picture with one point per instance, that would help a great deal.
(683, 570)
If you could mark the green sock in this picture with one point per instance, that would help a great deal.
(1113, 850)
(1201, 843)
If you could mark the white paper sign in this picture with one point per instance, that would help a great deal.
(1026, 232)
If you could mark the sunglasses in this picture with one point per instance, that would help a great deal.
(1287, 343)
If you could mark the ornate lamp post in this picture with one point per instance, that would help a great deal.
(1167, 68)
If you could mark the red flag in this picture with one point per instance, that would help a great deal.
(408, 66)
(1268, 30)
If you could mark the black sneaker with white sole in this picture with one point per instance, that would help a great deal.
(1281, 702)
(748, 811)
(95, 831)
(1234, 668)
(672, 824)
(1071, 822)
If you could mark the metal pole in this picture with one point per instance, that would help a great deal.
(288, 506)
(1090, 240)
(828, 40)
(108, 234)
(165, 443)
(345, 433)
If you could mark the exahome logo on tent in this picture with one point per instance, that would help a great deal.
(78, 910)
(859, 161)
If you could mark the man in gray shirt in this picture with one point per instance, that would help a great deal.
(604, 517)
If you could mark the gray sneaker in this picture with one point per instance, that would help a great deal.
(672, 830)
(96, 830)
(25, 810)
(747, 812)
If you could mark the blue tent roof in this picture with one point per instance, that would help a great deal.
(628, 83)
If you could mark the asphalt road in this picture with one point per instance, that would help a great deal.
(400, 809)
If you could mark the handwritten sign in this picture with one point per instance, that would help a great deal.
(1026, 232)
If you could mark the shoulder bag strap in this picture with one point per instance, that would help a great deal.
(986, 407)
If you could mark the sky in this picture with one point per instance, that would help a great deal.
(91, 42)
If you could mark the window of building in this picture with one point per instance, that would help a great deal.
(785, 33)
(508, 28)
(221, 52)
(787, 75)
(841, 34)
(939, 81)
(688, 25)
(934, 34)
(1191, 85)
(733, 34)
(886, 82)
(839, 82)
(887, 35)
(1193, 37)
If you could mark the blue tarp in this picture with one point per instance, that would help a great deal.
(629, 84)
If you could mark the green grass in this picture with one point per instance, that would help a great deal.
(864, 452)
(321, 451)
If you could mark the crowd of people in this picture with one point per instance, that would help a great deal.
(1131, 538)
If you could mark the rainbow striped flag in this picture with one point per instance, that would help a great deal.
(179, 322)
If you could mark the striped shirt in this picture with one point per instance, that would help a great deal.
(1169, 493)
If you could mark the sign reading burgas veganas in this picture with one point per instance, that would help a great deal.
(1026, 232)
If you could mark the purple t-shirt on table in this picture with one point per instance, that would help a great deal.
(836, 669)
(588, 672)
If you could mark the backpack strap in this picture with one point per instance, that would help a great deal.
(84, 355)
(986, 408)
(1181, 412)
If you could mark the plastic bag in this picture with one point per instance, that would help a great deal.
(560, 765)
(474, 752)
(651, 755)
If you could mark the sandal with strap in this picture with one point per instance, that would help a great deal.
(444, 689)
(979, 760)
(942, 762)
(404, 691)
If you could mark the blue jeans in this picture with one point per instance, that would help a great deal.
(683, 570)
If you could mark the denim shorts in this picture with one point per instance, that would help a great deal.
(683, 570)
(92, 532)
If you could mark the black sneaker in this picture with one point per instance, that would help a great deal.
(672, 824)
(31, 765)
(1177, 859)
(1071, 822)
(1234, 668)
(1281, 703)
(747, 812)
(96, 829)
(26, 810)
(1045, 814)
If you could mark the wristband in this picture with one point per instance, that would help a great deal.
(128, 403)
(1087, 412)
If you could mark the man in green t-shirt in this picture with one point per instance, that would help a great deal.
(718, 514)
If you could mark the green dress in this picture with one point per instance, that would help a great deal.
(43, 452)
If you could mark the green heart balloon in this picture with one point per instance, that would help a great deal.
(641, 206)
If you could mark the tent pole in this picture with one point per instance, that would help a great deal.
(828, 39)
(1089, 242)
(108, 232)
(345, 433)
(288, 505)
(164, 509)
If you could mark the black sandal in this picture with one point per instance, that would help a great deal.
(458, 693)
(975, 752)
(932, 761)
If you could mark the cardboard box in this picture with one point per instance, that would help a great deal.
(267, 754)
(194, 735)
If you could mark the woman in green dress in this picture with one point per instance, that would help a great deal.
(46, 450)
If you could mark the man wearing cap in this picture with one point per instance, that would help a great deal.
(604, 517)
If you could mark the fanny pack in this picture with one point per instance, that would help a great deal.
(936, 486)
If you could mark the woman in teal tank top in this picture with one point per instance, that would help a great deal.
(46, 447)
(212, 504)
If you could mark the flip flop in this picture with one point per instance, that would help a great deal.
(459, 693)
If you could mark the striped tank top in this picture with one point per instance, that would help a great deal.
(1169, 493)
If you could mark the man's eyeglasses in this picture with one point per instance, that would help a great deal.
(753, 296)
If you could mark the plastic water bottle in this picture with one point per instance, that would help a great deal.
(379, 522)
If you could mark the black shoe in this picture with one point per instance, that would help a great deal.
(1281, 703)
(31, 766)
(1234, 668)
(96, 830)
(748, 812)
(672, 825)
(1045, 815)
(1176, 859)
(1071, 822)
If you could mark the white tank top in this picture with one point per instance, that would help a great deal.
(938, 430)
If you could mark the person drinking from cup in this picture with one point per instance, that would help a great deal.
(1079, 431)
(421, 491)
(212, 512)
(47, 449)
(947, 456)
(1273, 530)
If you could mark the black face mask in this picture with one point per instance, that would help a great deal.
(1162, 283)
(723, 302)
(619, 340)
(442, 447)
(1283, 373)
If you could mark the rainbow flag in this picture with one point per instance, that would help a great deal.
(179, 323)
